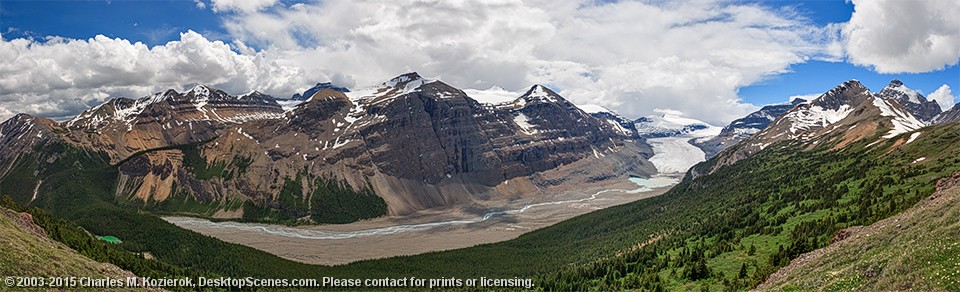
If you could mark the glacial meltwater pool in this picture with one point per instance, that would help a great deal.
(654, 181)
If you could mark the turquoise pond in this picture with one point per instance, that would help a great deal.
(654, 182)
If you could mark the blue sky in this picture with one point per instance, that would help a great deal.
(152, 22)
(819, 76)
(156, 22)
(159, 22)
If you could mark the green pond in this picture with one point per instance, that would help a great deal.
(110, 239)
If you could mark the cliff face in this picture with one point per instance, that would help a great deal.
(420, 144)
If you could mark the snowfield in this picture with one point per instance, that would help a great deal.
(676, 154)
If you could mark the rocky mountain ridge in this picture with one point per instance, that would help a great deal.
(415, 142)
(847, 113)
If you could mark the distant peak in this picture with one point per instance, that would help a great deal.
(316, 88)
(200, 89)
(330, 85)
(538, 90)
(903, 94)
(406, 77)
(539, 94)
(254, 93)
(852, 82)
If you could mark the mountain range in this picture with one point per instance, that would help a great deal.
(418, 143)
(762, 191)
(409, 143)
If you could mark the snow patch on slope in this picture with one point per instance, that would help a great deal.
(524, 122)
(903, 121)
(815, 117)
(491, 96)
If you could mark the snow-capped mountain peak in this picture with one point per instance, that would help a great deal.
(540, 93)
(912, 95)
(396, 86)
(199, 90)
(925, 110)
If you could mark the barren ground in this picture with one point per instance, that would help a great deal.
(429, 231)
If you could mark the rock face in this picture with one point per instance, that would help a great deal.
(744, 127)
(925, 110)
(21, 134)
(121, 127)
(414, 142)
(950, 116)
(421, 143)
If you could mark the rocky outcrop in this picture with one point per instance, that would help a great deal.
(949, 116)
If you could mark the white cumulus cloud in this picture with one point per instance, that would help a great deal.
(627, 55)
(943, 97)
(895, 36)
(61, 77)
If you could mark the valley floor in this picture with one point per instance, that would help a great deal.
(434, 231)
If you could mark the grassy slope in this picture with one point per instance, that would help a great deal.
(779, 203)
(27, 254)
(917, 249)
